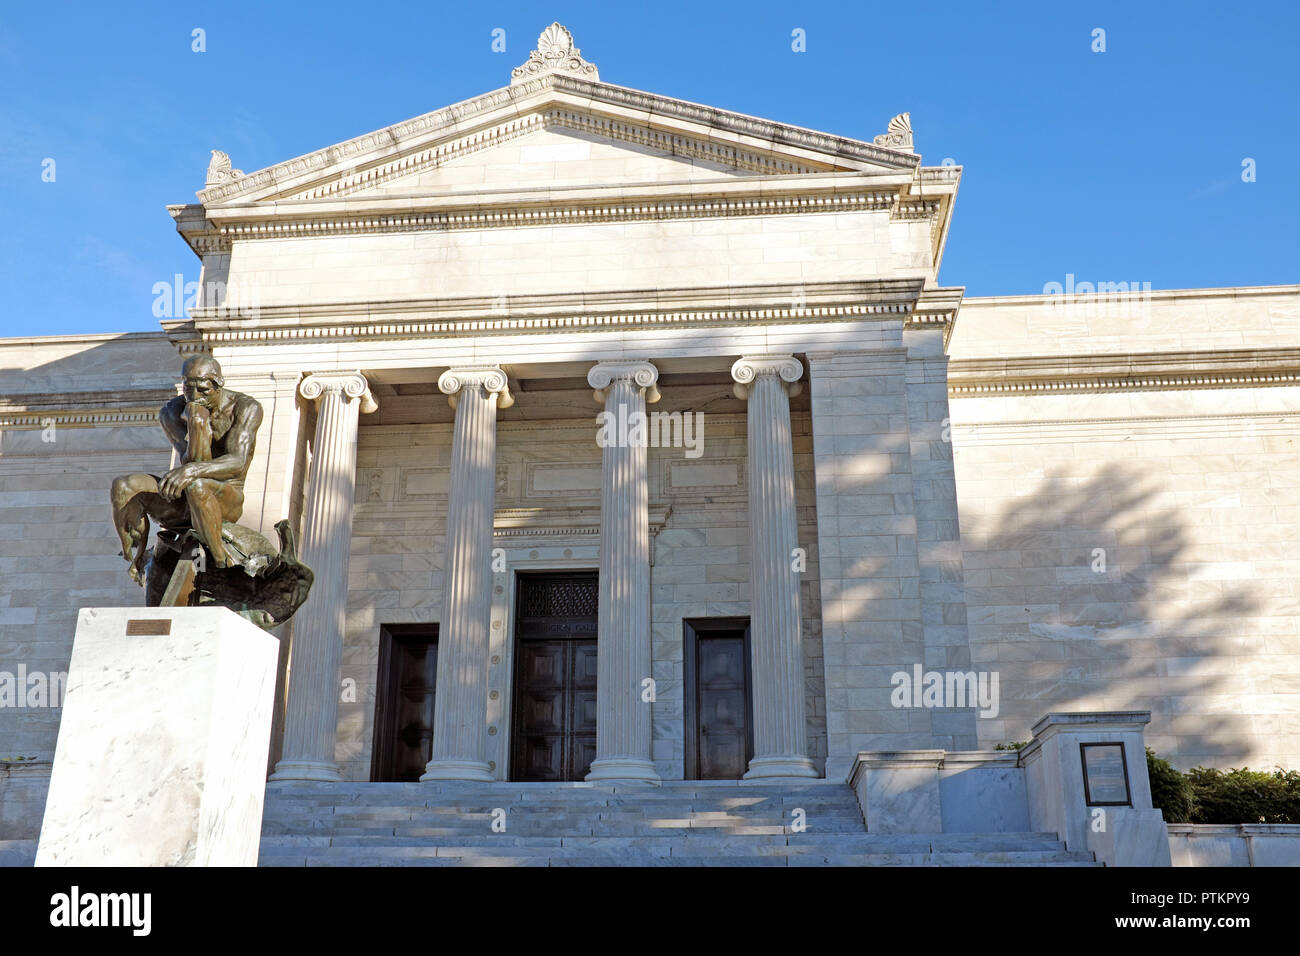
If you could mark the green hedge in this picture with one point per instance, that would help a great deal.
(1205, 795)
(1245, 796)
(1170, 790)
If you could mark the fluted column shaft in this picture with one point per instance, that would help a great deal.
(460, 701)
(780, 732)
(316, 650)
(623, 652)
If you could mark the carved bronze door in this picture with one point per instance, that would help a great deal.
(408, 671)
(554, 734)
(719, 709)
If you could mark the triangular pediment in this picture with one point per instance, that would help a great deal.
(552, 149)
(553, 131)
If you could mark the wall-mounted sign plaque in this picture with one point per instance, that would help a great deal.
(1105, 775)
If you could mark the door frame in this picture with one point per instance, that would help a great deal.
(501, 640)
(385, 715)
(692, 628)
(547, 570)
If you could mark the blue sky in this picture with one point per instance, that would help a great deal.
(1117, 166)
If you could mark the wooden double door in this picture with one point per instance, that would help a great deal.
(554, 732)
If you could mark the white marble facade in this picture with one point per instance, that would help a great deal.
(561, 225)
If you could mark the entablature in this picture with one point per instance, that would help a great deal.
(880, 299)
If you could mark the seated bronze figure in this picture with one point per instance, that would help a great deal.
(201, 555)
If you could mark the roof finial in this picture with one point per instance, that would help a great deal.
(899, 133)
(555, 53)
(219, 170)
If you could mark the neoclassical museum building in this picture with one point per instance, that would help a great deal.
(632, 439)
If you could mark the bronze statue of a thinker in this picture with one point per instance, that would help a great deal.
(214, 430)
(202, 556)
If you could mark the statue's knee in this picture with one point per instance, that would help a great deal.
(202, 488)
(123, 490)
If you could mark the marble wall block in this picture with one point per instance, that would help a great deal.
(983, 792)
(1131, 838)
(899, 791)
(1238, 844)
(161, 755)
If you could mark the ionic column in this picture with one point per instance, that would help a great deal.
(460, 702)
(623, 639)
(316, 649)
(780, 734)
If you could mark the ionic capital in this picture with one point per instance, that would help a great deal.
(489, 377)
(785, 368)
(347, 385)
(641, 374)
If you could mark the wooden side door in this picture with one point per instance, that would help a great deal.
(719, 705)
(407, 683)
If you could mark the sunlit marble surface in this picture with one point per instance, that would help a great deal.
(162, 750)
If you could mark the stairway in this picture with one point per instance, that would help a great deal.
(17, 852)
(682, 823)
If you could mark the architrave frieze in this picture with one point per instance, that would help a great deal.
(898, 195)
(362, 219)
(1156, 371)
(135, 406)
(94, 416)
(214, 231)
(889, 299)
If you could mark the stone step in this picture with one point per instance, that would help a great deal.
(557, 826)
(486, 803)
(679, 824)
(364, 788)
(542, 829)
(506, 856)
(811, 814)
(17, 852)
(685, 846)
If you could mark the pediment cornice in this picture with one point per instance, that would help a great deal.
(581, 98)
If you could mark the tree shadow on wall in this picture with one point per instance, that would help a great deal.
(1087, 596)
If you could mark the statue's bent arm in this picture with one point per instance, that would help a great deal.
(169, 416)
(240, 443)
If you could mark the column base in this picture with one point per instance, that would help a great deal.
(781, 765)
(319, 771)
(452, 769)
(623, 769)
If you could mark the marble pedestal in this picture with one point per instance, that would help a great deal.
(162, 750)
(1133, 835)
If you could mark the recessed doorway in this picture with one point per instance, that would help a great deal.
(719, 706)
(554, 732)
(407, 681)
